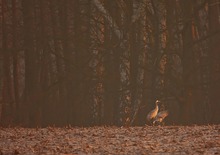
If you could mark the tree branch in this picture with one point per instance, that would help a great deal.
(107, 16)
(137, 12)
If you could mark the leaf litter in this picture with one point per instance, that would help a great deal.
(111, 140)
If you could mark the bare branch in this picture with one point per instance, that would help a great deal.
(108, 17)
(138, 11)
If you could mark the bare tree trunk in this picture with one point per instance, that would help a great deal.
(111, 81)
(108, 17)
(31, 64)
(214, 28)
(172, 80)
(7, 85)
(82, 58)
(187, 61)
(15, 62)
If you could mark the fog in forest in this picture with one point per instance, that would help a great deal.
(102, 62)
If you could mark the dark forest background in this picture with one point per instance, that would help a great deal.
(105, 62)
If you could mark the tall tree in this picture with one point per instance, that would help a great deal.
(7, 87)
(187, 61)
(214, 29)
(31, 63)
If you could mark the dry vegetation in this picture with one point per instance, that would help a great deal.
(111, 140)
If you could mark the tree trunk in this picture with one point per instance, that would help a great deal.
(31, 64)
(214, 29)
(186, 108)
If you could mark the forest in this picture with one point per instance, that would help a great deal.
(106, 62)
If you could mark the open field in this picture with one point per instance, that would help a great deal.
(111, 140)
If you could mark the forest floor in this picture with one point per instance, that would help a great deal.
(111, 140)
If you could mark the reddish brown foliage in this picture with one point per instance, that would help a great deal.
(111, 140)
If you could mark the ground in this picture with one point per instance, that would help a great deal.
(112, 140)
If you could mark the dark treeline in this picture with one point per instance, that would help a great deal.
(102, 62)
